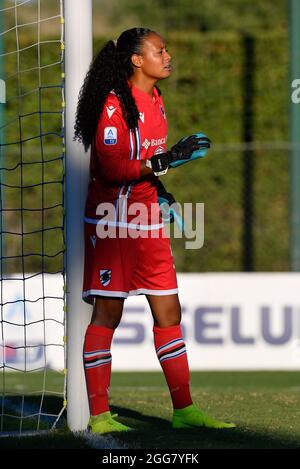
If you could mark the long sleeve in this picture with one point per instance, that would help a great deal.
(113, 150)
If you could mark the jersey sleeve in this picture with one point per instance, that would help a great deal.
(113, 148)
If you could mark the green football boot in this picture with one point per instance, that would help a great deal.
(105, 423)
(191, 417)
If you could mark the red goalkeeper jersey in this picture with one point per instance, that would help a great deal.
(117, 151)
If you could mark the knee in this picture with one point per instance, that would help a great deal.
(110, 321)
(107, 314)
(170, 318)
(105, 319)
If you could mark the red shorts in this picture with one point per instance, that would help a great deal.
(119, 267)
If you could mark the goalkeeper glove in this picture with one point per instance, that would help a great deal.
(168, 206)
(182, 151)
(200, 153)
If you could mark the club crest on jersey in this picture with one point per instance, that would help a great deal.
(105, 277)
(110, 110)
(110, 135)
(163, 111)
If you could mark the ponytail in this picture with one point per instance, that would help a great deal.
(110, 70)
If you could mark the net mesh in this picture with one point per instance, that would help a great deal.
(32, 352)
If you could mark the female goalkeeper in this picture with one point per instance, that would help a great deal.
(121, 115)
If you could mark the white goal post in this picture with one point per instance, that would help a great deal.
(78, 55)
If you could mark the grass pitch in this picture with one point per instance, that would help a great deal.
(264, 405)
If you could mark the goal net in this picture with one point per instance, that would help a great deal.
(32, 247)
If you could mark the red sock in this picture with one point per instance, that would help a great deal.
(171, 352)
(97, 364)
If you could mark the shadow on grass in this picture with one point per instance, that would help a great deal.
(31, 413)
(149, 432)
(155, 432)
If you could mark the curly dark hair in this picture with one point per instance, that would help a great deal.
(110, 70)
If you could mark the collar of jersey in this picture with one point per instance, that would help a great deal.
(142, 95)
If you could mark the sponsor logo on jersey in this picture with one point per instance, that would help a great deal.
(154, 142)
(158, 141)
(146, 144)
(93, 239)
(110, 135)
(142, 117)
(105, 277)
(110, 110)
(159, 150)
